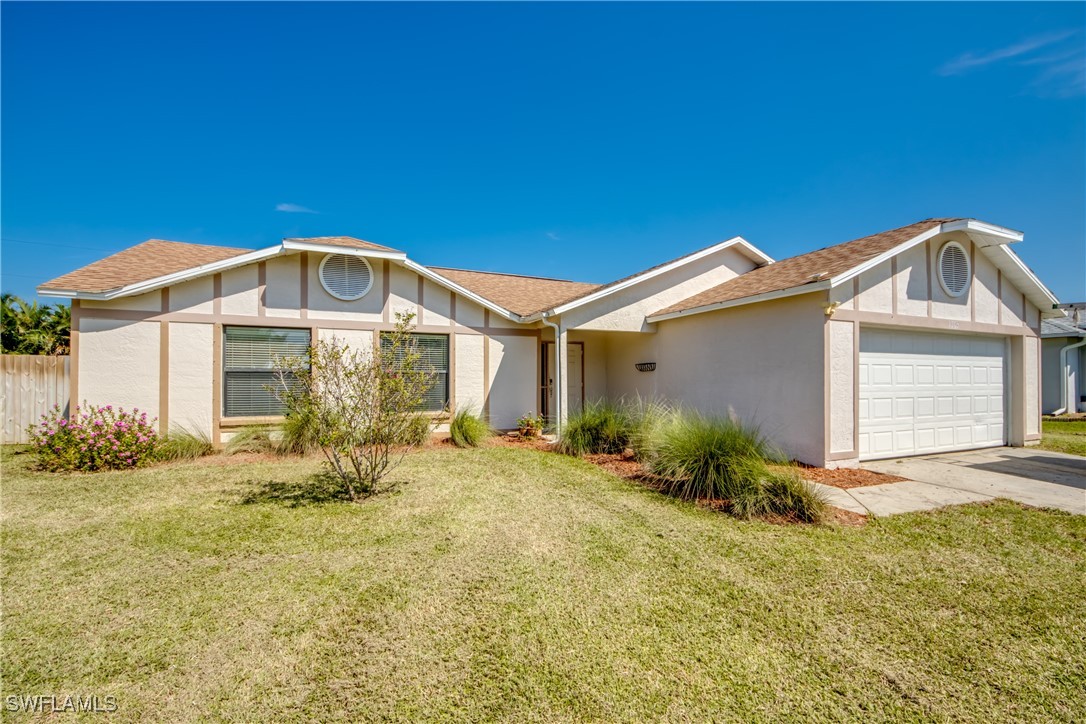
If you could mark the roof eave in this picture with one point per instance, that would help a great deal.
(165, 280)
(742, 301)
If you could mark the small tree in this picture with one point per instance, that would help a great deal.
(362, 403)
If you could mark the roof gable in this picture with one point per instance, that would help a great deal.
(806, 269)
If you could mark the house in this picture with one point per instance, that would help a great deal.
(919, 339)
(1063, 362)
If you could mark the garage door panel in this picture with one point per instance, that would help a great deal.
(927, 392)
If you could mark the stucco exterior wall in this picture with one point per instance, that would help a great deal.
(194, 297)
(148, 302)
(190, 375)
(1050, 373)
(1032, 397)
(595, 363)
(626, 310)
(322, 305)
(283, 290)
(512, 368)
(119, 363)
(356, 339)
(468, 384)
(842, 387)
(764, 362)
(624, 351)
(240, 291)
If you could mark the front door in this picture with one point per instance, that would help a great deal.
(574, 381)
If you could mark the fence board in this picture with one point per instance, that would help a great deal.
(31, 385)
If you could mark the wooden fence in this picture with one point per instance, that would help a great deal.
(32, 384)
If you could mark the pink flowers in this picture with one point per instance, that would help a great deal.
(94, 438)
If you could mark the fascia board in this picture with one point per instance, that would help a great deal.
(767, 296)
(345, 250)
(169, 279)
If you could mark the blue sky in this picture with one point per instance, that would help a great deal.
(584, 141)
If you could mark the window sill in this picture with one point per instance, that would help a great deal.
(245, 421)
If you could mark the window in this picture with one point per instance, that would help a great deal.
(954, 269)
(345, 277)
(249, 355)
(434, 351)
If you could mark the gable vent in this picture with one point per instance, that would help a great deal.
(954, 271)
(346, 277)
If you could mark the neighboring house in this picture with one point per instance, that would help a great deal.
(920, 339)
(1063, 370)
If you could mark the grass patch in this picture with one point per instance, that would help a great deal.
(467, 429)
(503, 583)
(1065, 437)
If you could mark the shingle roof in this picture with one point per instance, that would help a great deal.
(521, 295)
(1061, 328)
(153, 258)
(348, 241)
(804, 269)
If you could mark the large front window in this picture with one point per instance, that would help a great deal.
(433, 351)
(249, 367)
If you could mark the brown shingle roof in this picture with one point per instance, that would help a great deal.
(153, 258)
(348, 241)
(519, 294)
(799, 270)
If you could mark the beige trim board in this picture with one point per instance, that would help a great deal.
(216, 385)
(261, 288)
(851, 455)
(386, 280)
(932, 324)
(163, 377)
(486, 378)
(216, 294)
(303, 307)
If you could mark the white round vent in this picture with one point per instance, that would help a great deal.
(345, 277)
(954, 271)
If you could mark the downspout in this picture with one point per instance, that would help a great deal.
(1064, 375)
(558, 369)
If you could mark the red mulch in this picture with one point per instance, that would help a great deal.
(847, 478)
(624, 465)
(526, 443)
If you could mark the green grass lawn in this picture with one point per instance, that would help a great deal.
(509, 584)
(1065, 437)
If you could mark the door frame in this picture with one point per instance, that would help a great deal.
(544, 377)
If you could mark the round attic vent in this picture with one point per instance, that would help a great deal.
(346, 277)
(954, 269)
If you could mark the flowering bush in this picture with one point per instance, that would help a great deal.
(96, 438)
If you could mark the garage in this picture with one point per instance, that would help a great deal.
(928, 392)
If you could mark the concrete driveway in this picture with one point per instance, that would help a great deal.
(1028, 475)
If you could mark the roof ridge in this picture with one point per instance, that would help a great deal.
(512, 274)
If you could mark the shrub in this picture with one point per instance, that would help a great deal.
(705, 457)
(298, 434)
(468, 429)
(96, 438)
(780, 492)
(183, 444)
(251, 439)
(600, 427)
(648, 419)
(418, 431)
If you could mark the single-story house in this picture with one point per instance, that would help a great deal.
(1063, 364)
(920, 339)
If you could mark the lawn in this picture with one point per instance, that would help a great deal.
(511, 584)
(1065, 437)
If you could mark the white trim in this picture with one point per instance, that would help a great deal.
(968, 269)
(886, 256)
(346, 250)
(324, 284)
(751, 251)
(1044, 300)
(453, 286)
(168, 279)
(997, 234)
(780, 294)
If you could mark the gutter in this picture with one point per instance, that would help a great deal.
(558, 365)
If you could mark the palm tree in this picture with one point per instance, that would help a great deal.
(32, 328)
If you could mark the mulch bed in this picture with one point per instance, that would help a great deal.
(528, 443)
(846, 478)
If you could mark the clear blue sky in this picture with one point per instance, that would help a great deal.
(569, 140)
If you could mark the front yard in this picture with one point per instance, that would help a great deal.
(1064, 436)
(511, 584)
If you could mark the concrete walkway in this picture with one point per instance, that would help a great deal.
(1035, 477)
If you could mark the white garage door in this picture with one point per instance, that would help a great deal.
(927, 392)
